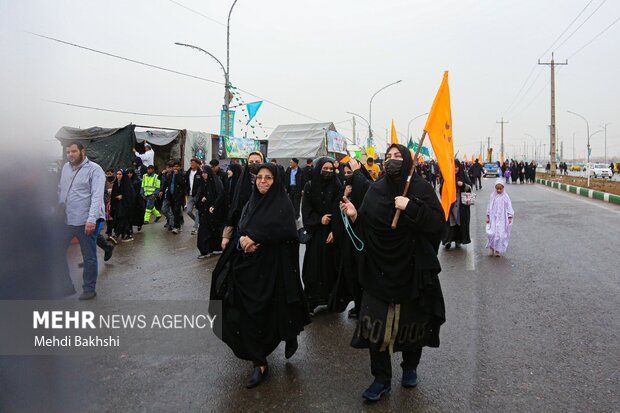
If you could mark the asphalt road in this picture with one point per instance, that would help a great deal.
(535, 330)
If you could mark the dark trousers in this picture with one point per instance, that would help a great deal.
(176, 205)
(88, 247)
(478, 182)
(294, 194)
(381, 364)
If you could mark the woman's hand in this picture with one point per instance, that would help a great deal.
(225, 242)
(119, 197)
(489, 221)
(326, 219)
(459, 183)
(401, 202)
(348, 208)
(509, 220)
(330, 238)
(211, 210)
(355, 164)
(347, 190)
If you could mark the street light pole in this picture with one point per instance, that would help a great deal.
(370, 140)
(588, 132)
(362, 118)
(605, 128)
(409, 124)
(227, 88)
(535, 147)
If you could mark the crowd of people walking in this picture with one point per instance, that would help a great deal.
(254, 217)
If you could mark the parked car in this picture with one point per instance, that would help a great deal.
(491, 169)
(575, 168)
(600, 170)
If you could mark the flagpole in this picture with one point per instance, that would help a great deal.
(409, 178)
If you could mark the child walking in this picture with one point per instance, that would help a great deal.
(499, 220)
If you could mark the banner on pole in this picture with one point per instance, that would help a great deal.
(231, 123)
(240, 147)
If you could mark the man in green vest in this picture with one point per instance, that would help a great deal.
(150, 190)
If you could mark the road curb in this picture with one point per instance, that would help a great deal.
(579, 190)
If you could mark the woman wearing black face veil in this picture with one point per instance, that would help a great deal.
(458, 220)
(318, 206)
(347, 285)
(402, 304)
(243, 190)
(257, 278)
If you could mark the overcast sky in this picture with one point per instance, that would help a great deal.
(320, 58)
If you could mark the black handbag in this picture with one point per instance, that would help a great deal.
(304, 235)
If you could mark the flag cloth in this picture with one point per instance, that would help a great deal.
(439, 129)
(394, 138)
(252, 109)
(424, 151)
(472, 159)
(410, 144)
(370, 152)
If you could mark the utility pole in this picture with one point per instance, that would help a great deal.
(553, 64)
(354, 137)
(501, 146)
(489, 149)
(573, 148)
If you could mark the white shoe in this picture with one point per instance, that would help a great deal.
(193, 232)
(491, 252)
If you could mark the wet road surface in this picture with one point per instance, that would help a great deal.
(535, 330)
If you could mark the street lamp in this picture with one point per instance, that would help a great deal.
(535, 147)
(588, 132)
(370, 111)
(226, 71)
(409, 124)
(605, 128)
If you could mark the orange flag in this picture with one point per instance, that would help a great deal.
(394, 138)
(439, 129)
(472, 159)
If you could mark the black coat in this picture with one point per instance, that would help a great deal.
(179, 187)
(299, 179)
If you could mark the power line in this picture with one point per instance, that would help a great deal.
(198, 13)
(514, 101)
(127, 112)
(584, 22)
(173, 71)
(595, 37)
(126, 59)
(565, 30)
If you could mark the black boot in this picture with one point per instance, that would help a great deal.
(257, 377)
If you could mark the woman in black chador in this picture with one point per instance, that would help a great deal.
(402, 304)
(123, 198)
(257, 278)
(458, 220)
(319, 204)
(136, 218)
(211, 202)
(347, 285)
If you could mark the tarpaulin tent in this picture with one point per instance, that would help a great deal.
(308, 140)
(108, 147)
(166, 145)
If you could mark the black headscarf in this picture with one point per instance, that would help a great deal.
(237, 170)
(360, 181)
(323, 193)
(461, 175)
(269, 218)
(125, 188)
(243, 190)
